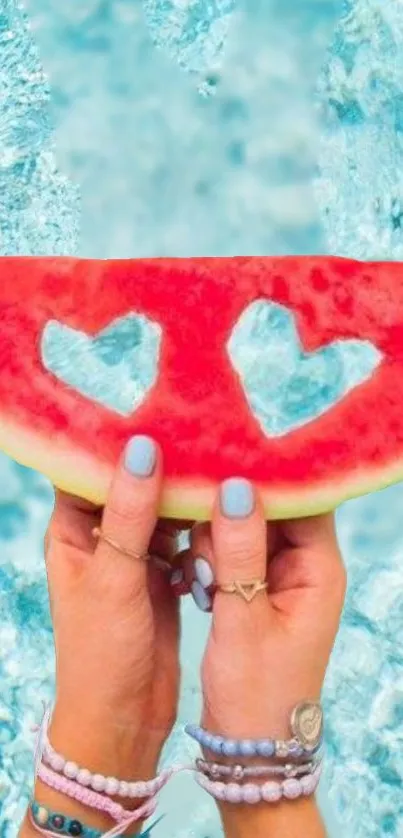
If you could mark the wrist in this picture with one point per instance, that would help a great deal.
(105, 744)
(100, 743)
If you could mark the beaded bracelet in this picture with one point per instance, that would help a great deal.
(307, 727)
(48, 822)
(267, 748)
(123, 817)
(215, 770)
(110, 786)
(270, 792)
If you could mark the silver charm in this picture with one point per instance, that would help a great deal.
(307, 724)
(281, 748)
(238, 772)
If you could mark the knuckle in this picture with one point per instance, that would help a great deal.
(242, 551)
(123, 512)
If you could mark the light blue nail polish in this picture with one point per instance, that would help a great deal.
(230, 748)
(204, 573)
(177, 577)
(265, 748)
(237, 498)
(140, 456)
(247, 748)
(201, 597)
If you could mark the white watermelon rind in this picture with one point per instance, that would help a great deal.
(80, 473)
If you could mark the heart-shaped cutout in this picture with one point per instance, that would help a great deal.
(116, 368)
(286, 387)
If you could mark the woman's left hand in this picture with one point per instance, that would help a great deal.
(116, 623)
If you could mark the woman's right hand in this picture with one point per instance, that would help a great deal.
(266, 656)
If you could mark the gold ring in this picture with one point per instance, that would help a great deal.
(247, 590)
(97, 533)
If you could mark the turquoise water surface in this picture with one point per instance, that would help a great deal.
(193, 128)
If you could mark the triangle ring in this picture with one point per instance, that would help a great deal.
(247, 590)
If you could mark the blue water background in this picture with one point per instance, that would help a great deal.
(164, 169)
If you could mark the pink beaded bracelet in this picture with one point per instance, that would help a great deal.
(270, 792)
(110, 786)
(94, 800)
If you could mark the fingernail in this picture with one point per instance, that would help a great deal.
(237, 498)
(204, 573)
(178, 583)
(140, 456)
(177, 577)
(201, 597)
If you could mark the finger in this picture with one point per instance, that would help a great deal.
(165, 555)
(311, 575)
(310, 532)
(200, 566)
(130, 515)
(69, 542)
(164, 583)
(317, 556)
(200, 571)
(276, 538)
(162, 550)
(179, 576)
(188, 567)
(201, 545)
(240, 547)
(72, 521)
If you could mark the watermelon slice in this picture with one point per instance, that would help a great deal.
(197, 408)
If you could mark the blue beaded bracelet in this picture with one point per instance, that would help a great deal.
(267, 748)
(50, 821)
(306, 725)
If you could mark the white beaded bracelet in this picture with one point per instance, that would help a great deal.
(110, 786)
(270, 792)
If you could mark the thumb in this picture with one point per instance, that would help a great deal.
(128, 522)
(113, 565)
(239, 539)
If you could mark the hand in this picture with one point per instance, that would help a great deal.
(116, 623)
(265, 656)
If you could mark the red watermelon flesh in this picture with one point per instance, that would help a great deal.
(197, 409)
